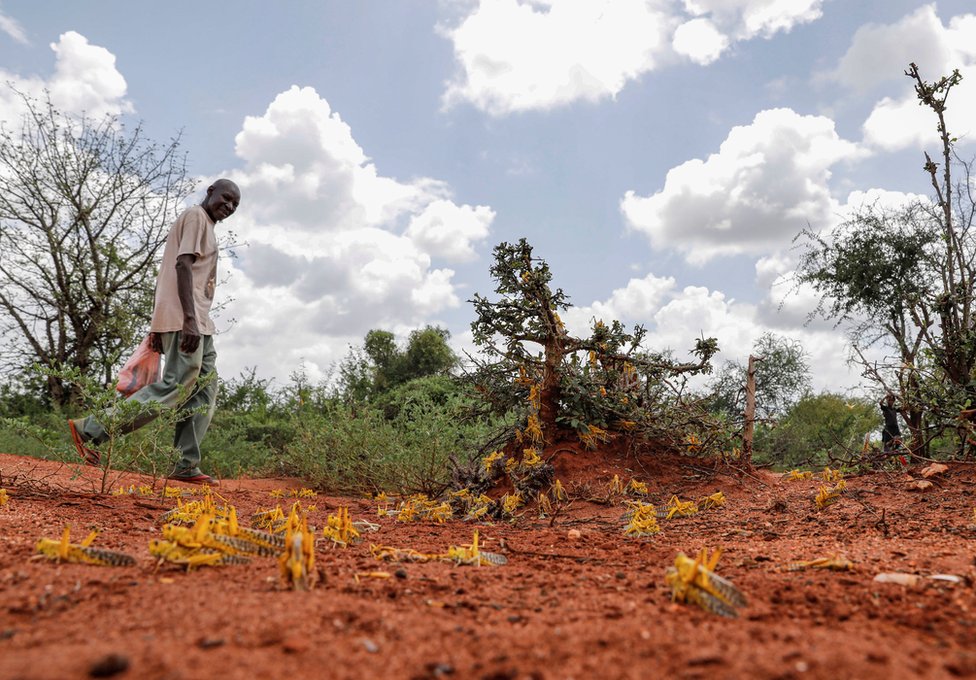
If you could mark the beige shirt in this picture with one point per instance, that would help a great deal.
(191, 234)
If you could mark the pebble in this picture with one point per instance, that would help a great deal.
(109, 665)
(370, 646)
(573, 534)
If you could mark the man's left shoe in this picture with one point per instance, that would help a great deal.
(195, 479)
(90, 457)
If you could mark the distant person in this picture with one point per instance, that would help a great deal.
(182, 331)
(891, 434)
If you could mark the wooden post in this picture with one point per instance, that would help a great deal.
(749, 415)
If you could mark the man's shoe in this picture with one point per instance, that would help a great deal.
(90, 457)
(195, 479)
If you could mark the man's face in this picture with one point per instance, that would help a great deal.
(222, 200)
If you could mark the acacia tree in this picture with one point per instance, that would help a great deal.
(782, 378)
(904, 278)
(530, 358)
(84, 207)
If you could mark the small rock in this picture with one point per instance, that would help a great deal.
(951, 578)
(920, 485)
(514, 618)
(370, 646)
(573, 534)
(210, 643)
(110, 665)
(400, 573)
(439, 670)
(899, 578)
(934, 469)
(295, 645)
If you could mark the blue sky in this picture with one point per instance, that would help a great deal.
(659, 154)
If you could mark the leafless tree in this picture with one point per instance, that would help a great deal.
(84, 208)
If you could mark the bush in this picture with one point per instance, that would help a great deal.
(816, 428)
(403, 446)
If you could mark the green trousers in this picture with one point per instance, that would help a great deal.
(189, 384)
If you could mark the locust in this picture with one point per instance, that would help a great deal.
(297, 561)
(677, 508)
(641, 520)
(833, 563)
(340, 529)
(717, 499)
(827, 496)
(461, 555)
(170, 551)
(695, 581)
(81, 553)
(473, 555)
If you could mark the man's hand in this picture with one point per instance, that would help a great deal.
(156, 343)
(189, 337)
(190, 334)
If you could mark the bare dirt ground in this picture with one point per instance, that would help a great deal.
(567, 605)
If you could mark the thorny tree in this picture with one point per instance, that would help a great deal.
(84, 205)
(903, 277)
(589, 384)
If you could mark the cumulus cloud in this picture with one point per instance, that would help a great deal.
(517, 55)
(879, 53)
(449, 231)
(520, 55)
(85, 80)
(700, 41)
(675, 317)
(768, 181)
(335, 248)
(745, 19)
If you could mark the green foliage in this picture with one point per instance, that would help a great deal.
(380, 365)
(532, 367)
(816, 428)
(404, 444)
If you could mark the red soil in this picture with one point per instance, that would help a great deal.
(576, 600)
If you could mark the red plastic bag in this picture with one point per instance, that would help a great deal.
(140, 370)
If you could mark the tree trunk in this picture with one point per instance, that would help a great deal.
(748, 426)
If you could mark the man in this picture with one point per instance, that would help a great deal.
(183, 332)
(891, 434)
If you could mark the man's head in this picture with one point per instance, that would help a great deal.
(222, 199)
(890, 399)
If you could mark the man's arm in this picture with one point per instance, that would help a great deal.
(190, 334)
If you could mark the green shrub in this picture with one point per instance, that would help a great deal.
(816, 428)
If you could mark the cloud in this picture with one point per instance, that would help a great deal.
(879, 54)
(700, 41)
(676, 317)
(767, 182)
(448, 231)
(746, 19)
(13, 29)
(85, 80)
(521, 55)
(335, 248)
(538, 54)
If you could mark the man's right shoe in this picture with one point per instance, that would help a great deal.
(90, 457)
(195, 479)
